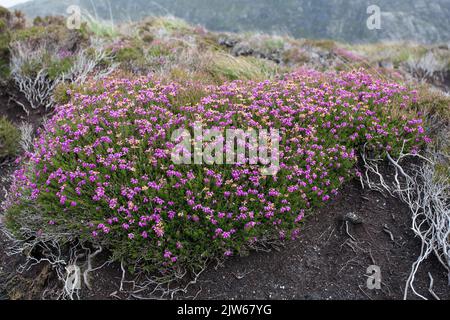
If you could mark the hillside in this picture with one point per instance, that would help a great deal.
(342, 20)
(98, 186)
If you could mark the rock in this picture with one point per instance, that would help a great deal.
(227, 42)
(352, 218)
(387, 64)
(243, 51)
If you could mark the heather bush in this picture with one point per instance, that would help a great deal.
(9, 139)
(102, 167)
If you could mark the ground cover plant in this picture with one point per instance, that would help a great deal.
(102, 167)
(100, 177)
(9, 139)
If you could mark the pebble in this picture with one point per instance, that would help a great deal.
(352, 218)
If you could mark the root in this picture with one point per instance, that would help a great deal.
(389, 232)
(426, 193)
(430, 289)
(64, 253)
(39, 88)
(89, 268)
(146, 287)
(72, 262)
(348, 233)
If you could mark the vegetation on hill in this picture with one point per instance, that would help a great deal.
(9, 139)
(342, 20)
(100, 173)
(103, 169)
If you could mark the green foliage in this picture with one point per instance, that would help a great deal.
(9, 139)
(395, 52)
(54, 65)
(38, 21)
(4, 69)
(170, 24)
(5, 39)
(274, 43)
(61, 95)
(100, 28)
(4, 13)
(29, 34)
(3, 26)
(295, 56)
(158, 50)
(433, 103)
(328, 45)
(226, 67)
(129, 54)
(58, 67)
(105, 168)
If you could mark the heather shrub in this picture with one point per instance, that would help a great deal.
(9, 139)
(132, 57)
(102, 167)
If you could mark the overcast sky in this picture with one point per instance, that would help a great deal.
(10, 3)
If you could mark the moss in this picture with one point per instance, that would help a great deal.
(442, 171)
(9, 139)
(4, 45)
(132, 58)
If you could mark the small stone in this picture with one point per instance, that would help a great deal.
(352, 218)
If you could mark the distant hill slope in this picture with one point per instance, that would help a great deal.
(344, 20)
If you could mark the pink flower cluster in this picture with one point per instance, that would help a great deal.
(102, 164)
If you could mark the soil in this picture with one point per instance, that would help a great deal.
(325, 263)
(10, 106)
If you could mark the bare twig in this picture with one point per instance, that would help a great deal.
(430, 289)
(426, 193)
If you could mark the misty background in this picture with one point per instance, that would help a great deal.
(342, 20)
